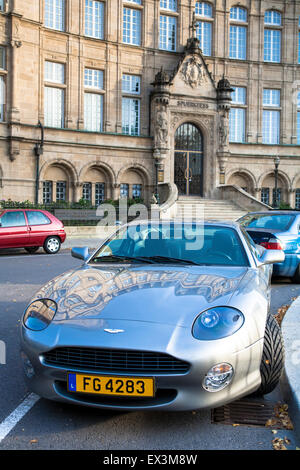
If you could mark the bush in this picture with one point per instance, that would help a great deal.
(284, 205)
(81, 204)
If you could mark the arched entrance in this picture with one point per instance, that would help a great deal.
(188, 160)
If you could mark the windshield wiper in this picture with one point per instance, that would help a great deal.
(170, 259)
(112, 258)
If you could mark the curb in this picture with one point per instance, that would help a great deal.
(290, 382)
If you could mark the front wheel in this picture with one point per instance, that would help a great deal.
(52, 245)
(272, 362)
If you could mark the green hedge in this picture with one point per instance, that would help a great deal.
(82, 204)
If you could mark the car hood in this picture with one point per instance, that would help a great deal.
(160, 294)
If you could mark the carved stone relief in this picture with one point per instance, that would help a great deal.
(192, 72)
(161, 127)
(223, 130)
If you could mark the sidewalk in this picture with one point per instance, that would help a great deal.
(291, 378)
(71, 242)
(86, 236)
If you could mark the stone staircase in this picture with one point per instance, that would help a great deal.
(215, 209)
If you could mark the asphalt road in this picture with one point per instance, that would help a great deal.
(50, 425)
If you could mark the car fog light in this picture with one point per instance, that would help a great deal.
(28, 367)
(218, 377)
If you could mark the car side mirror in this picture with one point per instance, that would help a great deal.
(80, 253)
(271, 256)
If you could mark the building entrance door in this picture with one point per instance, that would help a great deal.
(188, 160)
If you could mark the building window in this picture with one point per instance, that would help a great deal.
(2, 83)
(271, 125)
(271, 117)
(2, 98)
(130, 116)
(87, 192)
(124, 190)
(130, 106)
(271, 97)
(93, 79)
(47, 192)
(2, 58)
(131, 26)
(54, 72)
(54, 97)
(265, 195)
(298, 118)
(54, 107)
(55, 14)
(167, 33)
(93, 102)
(136, 191)
(203, 9)
(204, 28)
(276, 200)
(1, 5)
(238, 34)
(131, 84)
(99, 193)
(61, 191)
(272, 37)
(237, 115)
(93, 106)
(94, 19)
(168, 5)
(272, 17)
(297, 198)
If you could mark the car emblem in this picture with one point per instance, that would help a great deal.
(113, 331)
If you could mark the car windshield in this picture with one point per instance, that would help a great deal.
(174, 243)
(271, 221)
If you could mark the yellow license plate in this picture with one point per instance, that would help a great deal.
(108, 385)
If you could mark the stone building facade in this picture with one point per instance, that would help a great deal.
(100, 99)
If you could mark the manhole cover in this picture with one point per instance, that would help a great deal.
(245, 412)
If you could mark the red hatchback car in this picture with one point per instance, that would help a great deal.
(31, 229)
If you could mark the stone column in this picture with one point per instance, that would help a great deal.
(257, 193)
(224, 99)
(160, 118)
(115, 191)
(77, 191)
(291, 197)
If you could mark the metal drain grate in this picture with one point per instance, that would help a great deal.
(244, 412)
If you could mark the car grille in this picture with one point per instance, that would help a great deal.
(113, 360)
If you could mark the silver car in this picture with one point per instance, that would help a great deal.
(164, 315)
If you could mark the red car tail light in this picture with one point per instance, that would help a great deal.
(272, 244)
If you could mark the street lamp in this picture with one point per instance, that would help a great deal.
(276, 163)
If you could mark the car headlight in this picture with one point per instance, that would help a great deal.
(217, 323)
(39, 314)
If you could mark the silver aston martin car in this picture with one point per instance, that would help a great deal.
(164, 315)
